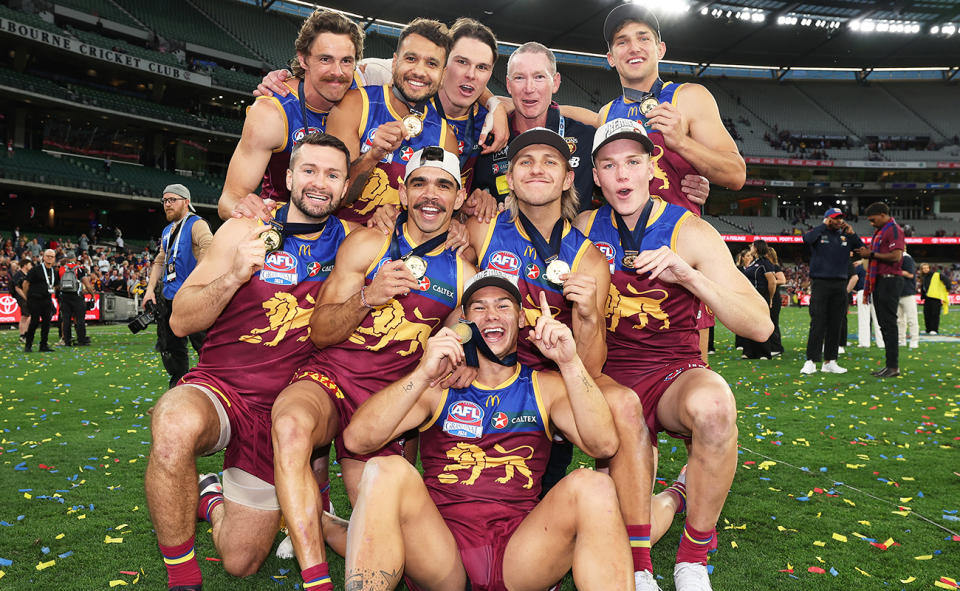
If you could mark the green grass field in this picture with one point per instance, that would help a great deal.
(827, 464)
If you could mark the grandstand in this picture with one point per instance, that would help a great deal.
(842, 129)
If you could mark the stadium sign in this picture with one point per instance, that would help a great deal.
(114, 57)
(774, 239)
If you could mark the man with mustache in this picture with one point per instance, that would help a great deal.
(384, 125)
(328, 46)
(385, 297)
(254, 306)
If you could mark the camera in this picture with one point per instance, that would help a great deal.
(144, 319)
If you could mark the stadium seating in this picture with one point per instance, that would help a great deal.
(134, 50)
(270, 33)
(177, 19)
(102, 8)
(40, 167)
(29, 19)
(149, 182)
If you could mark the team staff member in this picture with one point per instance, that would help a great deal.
(182, 245)
(255, 306)
(664, 262)
(830, 246)
(908, 328)
(884, 280)
(73, 308)
(39, 286)
(328, 46)
(532, 80)
(486, 527)
(384, 125)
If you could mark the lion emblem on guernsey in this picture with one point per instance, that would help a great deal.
(283, 315)
(531, 310)
(467, 456)
(658, 172)
(391, 325)
(642, 305)
(376, 192)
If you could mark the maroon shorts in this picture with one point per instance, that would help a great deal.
(482, 543)
(249, 446)
(345, 406)
(705, 317)
(650, 387)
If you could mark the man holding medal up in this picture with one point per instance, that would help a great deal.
(254, 300)
(384, 125)
(664, 261)
(385, 297)
(575, 279)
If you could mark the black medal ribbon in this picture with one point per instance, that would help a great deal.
(470, 143)
(420, 250)
(419, 108)
(279, 222)
(477, 344)
(637, 96)
(632, 241)
(303, 109)
(547, 251)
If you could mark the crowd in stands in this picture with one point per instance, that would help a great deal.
(798, 279)
(112, 268)
(813, 147)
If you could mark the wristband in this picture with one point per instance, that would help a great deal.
(492, 103)
(363, 299)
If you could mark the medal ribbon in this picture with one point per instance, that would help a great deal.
(420, 250)
(638, 96)
(470, 143)
(419, 109)
(547, 251)
(289, 229)
(632, 241)
(477, 344)
(303, 109)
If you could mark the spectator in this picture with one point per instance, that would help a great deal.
(776, 339)
(830, 245)
(934, 293)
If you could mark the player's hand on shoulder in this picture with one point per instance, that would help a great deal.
(496, 127)
(392, 279)
(384, 218)
(273, 83)
(458, 238)
(253, 207)
(664, 264)
(696, 188)
(552, 337)
(442, 355)
(481, 205)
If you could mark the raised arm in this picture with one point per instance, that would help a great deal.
(236, 253)
(407, 403)
(344, 301)
(263, 133)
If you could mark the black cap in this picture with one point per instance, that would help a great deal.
(538, 135)
(629, 12)
(491, 278)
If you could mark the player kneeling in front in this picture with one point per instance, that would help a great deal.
(474, 514)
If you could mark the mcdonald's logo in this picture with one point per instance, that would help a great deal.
(492, 400)
(530, 252)
(304, 250)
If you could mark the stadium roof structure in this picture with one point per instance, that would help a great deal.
(858, 34)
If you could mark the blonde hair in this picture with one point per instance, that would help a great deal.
(772, 255)
(569, 204)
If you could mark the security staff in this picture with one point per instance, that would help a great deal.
(182, 244)
(830, 244)
(532, 79)
(39, 287)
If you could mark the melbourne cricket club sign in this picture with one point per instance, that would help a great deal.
(107, 55)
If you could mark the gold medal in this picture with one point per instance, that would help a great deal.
(413, 124)
(416, 265)
(464, 332)
(648, 104)
(555, 269)
(629, 258)
(272, 239)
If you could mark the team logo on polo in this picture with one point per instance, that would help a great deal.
(464, 419)
(532, 271)
(500, 420)
(279, 268)
(505, 261)
(607, 249)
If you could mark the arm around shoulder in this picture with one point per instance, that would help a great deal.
(263, 133)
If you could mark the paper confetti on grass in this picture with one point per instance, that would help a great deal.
(839, 537)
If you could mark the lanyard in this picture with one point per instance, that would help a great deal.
(173, 240)
(632, 241)
(303, 108)
(547, 251)
(49, 280)
(477, 344)
(418, 251)
(470, 144)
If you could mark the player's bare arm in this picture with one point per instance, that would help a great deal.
(574, 402)
(344, 301)
(408, 402)
(702, 264)
(587, 291)
(236, 253)
(263, 132)
(694, 130)
(581, 114)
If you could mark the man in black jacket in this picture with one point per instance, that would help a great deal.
(830, 245)
(40, 284)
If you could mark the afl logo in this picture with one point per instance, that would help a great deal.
(464, 419)
(8, 304)
(607, 249)
(279, 268)
(299, 133)
(505, 261)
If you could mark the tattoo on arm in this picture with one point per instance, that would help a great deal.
(372, 580)
(408, 386)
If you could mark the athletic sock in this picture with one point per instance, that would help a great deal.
(325, 497)
(640, 546)
(207, 504)
(679, 490)
(317, 578)
(181, 563)
(694, 544)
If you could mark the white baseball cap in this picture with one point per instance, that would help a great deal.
(619, 129)
(436, 157)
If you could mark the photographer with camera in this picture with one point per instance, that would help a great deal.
(73, 282)
(182, 245)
